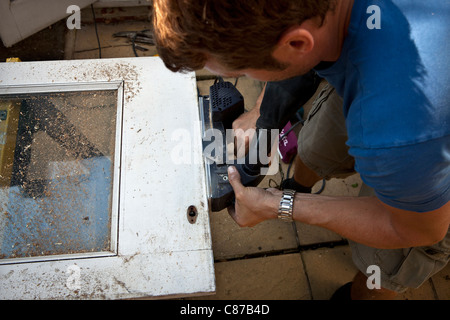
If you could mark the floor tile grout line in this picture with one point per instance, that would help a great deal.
(298, 249)
(103, 47)
(305, 269)
(433, 288)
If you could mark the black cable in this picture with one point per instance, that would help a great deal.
(96, 33)
(133, 44)
(291, 128)
(133, 40)
(324, 181)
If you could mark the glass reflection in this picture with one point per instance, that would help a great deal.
(56, 164)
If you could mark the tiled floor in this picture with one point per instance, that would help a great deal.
(273, 260)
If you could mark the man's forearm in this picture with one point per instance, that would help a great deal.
(365, 220)
(361, 219)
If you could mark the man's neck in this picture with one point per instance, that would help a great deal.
(335, 29)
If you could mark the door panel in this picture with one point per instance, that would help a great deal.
(95, 200)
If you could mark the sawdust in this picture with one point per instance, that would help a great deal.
(119, 71)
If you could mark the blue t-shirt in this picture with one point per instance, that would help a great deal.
(393, 74)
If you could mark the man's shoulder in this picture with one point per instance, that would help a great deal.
(396, 92)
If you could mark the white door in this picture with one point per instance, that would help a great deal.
(102, 183)
(22, 18)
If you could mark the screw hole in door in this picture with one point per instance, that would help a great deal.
(192, 214)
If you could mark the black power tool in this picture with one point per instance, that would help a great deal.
(218, 111)
(282, 100)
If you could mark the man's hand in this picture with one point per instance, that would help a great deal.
(244, 128)
(253, 205)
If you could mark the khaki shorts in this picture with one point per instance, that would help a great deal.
(321, 146)
(321, 141)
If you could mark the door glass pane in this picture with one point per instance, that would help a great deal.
(56, 172)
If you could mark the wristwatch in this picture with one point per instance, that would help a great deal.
(285, 209)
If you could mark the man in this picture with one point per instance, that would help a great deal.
(385, 115)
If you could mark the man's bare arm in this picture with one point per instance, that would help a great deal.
(365, 220)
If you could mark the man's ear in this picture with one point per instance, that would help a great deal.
(294, 43)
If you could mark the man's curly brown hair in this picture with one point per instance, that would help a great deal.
(240, 34)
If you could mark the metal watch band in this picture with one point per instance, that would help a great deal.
(285, 209)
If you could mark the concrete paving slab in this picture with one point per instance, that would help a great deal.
(441, 282)
(271, 278)
(86, 38)
(123, 51)
(328, 269)
(425, 292)
(350, 186)
(110, 15)
(231, 241)
(312, 235)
